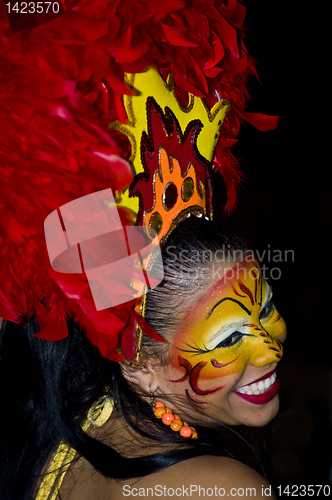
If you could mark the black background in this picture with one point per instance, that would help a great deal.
(286, 204)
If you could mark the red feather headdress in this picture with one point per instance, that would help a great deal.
(62, 84)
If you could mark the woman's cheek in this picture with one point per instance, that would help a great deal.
(196, 370)
(217, 365)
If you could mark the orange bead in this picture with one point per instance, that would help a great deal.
(159, 404)
(193, 433)
(167, 418)
(185, 431)
(176, 424)
(177, 417)
(168, 410)
(159, 412)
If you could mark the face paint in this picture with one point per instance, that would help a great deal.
(228, 347)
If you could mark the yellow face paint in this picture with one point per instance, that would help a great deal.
(234, 326)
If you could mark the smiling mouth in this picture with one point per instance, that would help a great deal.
(258, 387)
(261, 391)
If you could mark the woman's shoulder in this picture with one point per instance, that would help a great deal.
(204, 476)
(208, 476)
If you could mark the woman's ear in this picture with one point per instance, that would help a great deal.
(146, 378)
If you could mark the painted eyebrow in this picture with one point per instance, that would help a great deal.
(232, 300)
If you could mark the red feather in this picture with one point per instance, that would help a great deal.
(61, 85)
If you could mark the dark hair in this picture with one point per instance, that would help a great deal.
(45, 387)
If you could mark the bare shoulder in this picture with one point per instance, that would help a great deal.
(209, 476)
(206, 476)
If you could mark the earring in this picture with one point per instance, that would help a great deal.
(174, 421)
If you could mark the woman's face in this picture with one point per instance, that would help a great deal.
(225, 353)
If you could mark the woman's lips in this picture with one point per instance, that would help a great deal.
(261, 391)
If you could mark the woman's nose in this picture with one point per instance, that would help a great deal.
(266, 349)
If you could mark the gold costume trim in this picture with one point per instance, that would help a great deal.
(51, 483)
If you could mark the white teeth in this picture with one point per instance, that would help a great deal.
(261, 385)
(258, 387)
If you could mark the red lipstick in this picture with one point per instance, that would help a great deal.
(265, 397)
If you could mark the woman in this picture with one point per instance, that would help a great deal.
(208, 337)
(223, 339)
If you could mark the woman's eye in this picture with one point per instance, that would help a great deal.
(267, 310)
(231, 340)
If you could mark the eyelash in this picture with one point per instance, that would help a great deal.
(269, 308)
(228, 342)
(197, 350)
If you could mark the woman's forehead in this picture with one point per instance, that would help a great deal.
(242, 282)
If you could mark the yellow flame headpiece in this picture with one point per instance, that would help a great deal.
(172, 149)
(171, 155)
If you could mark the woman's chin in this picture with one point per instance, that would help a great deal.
(262, 414)
(249, 414)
